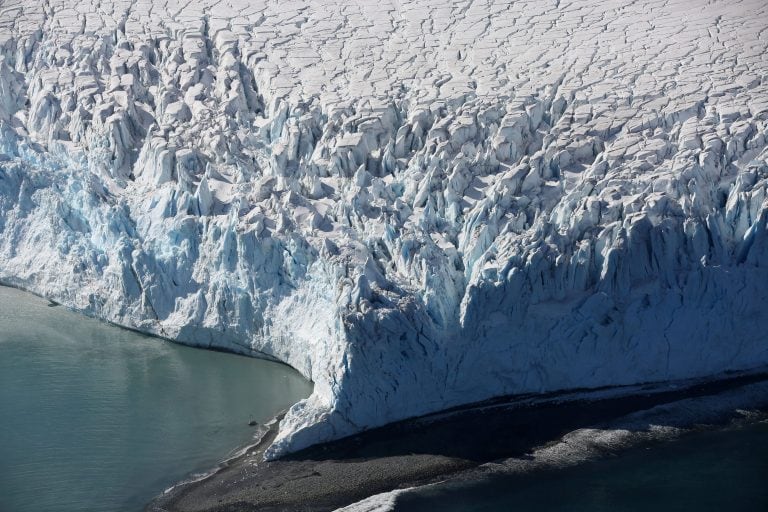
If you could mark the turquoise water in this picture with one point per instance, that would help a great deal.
(714, 471)
(97, 418)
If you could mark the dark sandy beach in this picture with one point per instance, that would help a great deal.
(454, 443)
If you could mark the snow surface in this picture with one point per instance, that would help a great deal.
(415, 204)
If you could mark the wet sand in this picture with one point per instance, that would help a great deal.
(418, 451)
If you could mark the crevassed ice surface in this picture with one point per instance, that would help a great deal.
(416, 204)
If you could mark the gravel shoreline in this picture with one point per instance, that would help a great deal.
(419, 451)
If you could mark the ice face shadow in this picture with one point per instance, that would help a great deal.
(511, 426)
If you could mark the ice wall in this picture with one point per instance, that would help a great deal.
(415, 204)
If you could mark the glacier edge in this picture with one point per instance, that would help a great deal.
(428, 240)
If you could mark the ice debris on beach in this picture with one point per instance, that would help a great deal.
(732, 408)
(417, 204)
(384, 502)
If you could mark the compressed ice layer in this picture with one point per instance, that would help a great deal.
(416, 204)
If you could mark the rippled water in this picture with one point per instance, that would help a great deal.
(714, 471)
(97, 418)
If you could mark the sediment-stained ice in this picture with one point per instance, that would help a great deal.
(415, 204)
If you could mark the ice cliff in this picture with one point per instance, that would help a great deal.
(417, 204)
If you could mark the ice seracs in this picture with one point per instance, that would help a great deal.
(416, 204)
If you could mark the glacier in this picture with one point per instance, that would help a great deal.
(417, 205)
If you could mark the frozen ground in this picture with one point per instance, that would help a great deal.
(415, 204)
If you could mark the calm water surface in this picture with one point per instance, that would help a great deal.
(708, 471)
(97, 418)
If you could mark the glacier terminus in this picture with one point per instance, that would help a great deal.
(416, 204)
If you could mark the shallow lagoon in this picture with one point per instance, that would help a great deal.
(98, 418)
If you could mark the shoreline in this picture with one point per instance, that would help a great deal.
(446, 445)
(245, 352)
(387, 468)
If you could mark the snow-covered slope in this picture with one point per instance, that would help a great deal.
(417, 204)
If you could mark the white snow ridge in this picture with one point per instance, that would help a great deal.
(417, 204)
